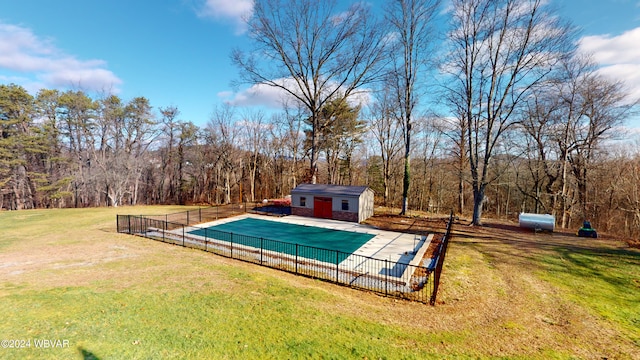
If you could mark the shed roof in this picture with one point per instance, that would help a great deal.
(323, 189)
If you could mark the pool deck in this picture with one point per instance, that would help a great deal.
(393, 247)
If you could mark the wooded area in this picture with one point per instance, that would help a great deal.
(510, 118)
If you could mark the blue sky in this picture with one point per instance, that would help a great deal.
(176, 52)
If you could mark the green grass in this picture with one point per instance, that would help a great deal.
(606, 281)
(66, 275)
(181, 324)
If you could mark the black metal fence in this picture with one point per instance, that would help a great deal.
(413, 281)
(439, 257)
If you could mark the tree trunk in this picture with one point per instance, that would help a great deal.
(227, 188)
(563, 195)
(314, 148)
(406, 180)
(478, 199)
(460, 195)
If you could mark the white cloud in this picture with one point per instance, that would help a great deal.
(234, 11)
(618, 56)
(609, 49)
(35, 61)
(257, 95)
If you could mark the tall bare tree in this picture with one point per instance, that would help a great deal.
(500, 49)
(605, 107)
(289, 129)
(313, 51)
(455, 129)
(387, 133)
(255, 130)
(123, 135)
(411, 24)
(566, 121)
(539, 120)
(168, 186)
(222, 136)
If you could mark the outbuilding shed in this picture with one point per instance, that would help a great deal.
(338, 202)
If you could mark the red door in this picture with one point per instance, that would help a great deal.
(322, 207)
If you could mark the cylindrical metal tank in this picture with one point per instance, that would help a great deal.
(537, 221)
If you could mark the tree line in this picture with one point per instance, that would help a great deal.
(504, 115)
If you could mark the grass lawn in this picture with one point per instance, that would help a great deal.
(67, 275)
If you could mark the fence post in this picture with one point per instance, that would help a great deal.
(337, 268)
(231, 241)
(261, 247)
(188, 222)
(183, 236)
(386, 277)
(205, 239)
(296, 258)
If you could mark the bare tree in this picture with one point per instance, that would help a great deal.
(500, 49)
(387, 133)
(456, 131)
(429, 151)
(539, 122)
(124, 134)
(314, 52)
(566, 121)
(567, 115)
(289, 128)
(168, 186)
(254, 140)
(603, 108)
(411, 23)
(222, 135)
(628, 193)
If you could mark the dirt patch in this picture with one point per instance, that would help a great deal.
(410, 225)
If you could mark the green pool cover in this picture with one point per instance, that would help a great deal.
(258, 233)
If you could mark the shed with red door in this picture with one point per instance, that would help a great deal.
(337, 202)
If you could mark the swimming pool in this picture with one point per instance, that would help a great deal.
(275, 236)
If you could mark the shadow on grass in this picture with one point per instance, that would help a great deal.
(87, 355)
